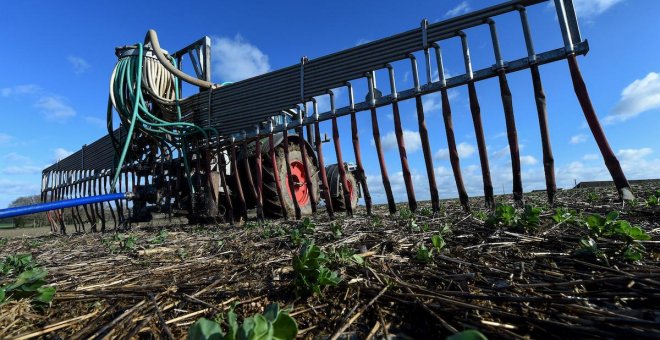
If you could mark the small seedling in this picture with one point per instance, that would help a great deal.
(29, 284)
(426, 211)
(274, 324)
(307, 226)
(336, 229)
(311, 274)
(406, 214)
(160, 238)
(423, 254)
(438, 242)
(506, 215)
(592, 197)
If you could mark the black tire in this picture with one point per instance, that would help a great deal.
(337, 190)
(272, 206)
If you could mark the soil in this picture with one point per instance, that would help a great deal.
(506, 283)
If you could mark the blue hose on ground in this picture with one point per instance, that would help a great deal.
(41, 207)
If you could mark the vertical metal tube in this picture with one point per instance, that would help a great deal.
(449, 131)
(541, 109)
(249, 175)
(291, 188)
(475, 109)
(424, 137)
(237, 179)
(276, 172)
(303, 152)
(611, 162)
(398, 131)
(507, 104)
(379, 150)
(340, 160)
(106, 175)
(360, 174)
(222, 166)
(325, 188)
(258, 173)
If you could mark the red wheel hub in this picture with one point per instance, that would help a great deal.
(299, 183)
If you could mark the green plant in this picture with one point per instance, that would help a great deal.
(296, 237)
(423, 254)
(274, 324)
(506, 215)
(29, 284)
(589, 248)
(160, 238)
(406, 214)
(480, 215)
(311, 273)
(346, 255)
(468, 334)
(16, 264)
(426, 211)
(336, 229)
(653, 200)
(438, 242)
(412, 225)
(592, 197)
(612, 227)
(563, 215)
(376, 221)
(307, 226)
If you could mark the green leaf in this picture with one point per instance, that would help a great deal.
(438, 242)
(205, 329)
(45, 294)
(632, 254)
(2, 295)
(285, 327)
(468, 334)
(612, 216)
(271, 312)
(232, 320)
(357, 259)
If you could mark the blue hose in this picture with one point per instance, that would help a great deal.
(41, 207)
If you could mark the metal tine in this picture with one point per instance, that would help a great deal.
(449, 131)
(222, 165)
(97, 181)
(44, 198)
(340, 159)
(60, 212)
(276, 175)
(75, 212)
(507, 104)
(106, 174)
(292, 191)
(303, 153)
(127, 189)
(361, 176)
(580, 88)
(398, 131)
(91, 192)
(541, 109)
(424, 137)
(259, 175)
(475, 109)
(81, 193)
(379, 150)
(120, 204)
(248, 169)
(325, 188)
(237, 178)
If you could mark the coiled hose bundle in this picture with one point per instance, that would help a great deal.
(144, 92)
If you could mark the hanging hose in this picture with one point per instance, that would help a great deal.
(145, 94)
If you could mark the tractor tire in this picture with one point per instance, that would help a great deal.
(337, 189)
(271, 199)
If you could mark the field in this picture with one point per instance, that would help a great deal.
(507, 274)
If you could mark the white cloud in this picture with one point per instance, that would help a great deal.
(590, 157)
(528, 160)
(577, 139)
(592, 8)
(639, 96)
(55, 108)
(465, 150)
(501, 152)
(61, 153)
(410, 139)
(362, 41)
(5, 138)
(461, 8)
(14, 158)
(18, 90)
(95, 121)
(79, 64)
(634, 154)
(236, 59)
(11, 189)
(431, 104)
(21, 170)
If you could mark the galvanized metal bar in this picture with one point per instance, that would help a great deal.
(398, 132)
(475, 109)
(379, 150)
(222, 166)
(424, 137)
(507, 104)
(325, 188)
(449, 132)
(360, 174)
(292, 190)
(340, 160)
(611, 162)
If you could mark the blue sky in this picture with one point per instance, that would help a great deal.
(57, 61)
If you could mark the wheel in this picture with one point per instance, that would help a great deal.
(337, 189)
(302, 195)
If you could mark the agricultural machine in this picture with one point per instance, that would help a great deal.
(256, 143)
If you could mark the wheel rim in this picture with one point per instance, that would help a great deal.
(299, 183)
